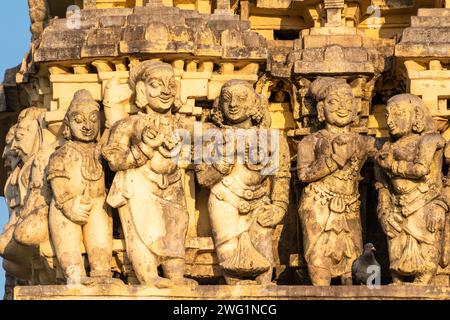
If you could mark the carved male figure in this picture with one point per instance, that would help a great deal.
(26, 140)
(330, 160)
(245, 203)
(411, 208)
(147, 189)
(78, 214)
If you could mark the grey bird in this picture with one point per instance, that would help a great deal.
(360, 267)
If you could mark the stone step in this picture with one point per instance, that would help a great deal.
(434, 12)
(427, 35)
(423, 22)
(251, 292)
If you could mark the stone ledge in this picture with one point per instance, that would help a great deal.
(122, 292)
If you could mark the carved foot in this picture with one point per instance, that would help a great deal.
(107, 281)
(185, 282)
(158, 282)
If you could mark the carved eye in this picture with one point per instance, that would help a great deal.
(155, 84)
(227, 96)
(78, 119)
(93, 117)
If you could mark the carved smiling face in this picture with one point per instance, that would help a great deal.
(84, 123)
(339, 107)
(399, 118)
(160, 89)
(237, 101)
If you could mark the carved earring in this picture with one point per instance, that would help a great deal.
(141, 100)
(418, 125)
(320, 112)
(66, 131)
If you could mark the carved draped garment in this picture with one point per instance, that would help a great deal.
(329, 205)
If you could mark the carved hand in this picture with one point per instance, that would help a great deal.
(343, 149)
(116, 93)
(385, 159)
(171, 142)
(433, 221)
(392, 224)
(270, 215)
(152, 138)
(78, 210)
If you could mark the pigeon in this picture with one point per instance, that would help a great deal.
(360, 267)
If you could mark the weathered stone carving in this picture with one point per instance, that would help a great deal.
(330, 160)
(411, 207)
(147, 189)
(78, 213)
(245, 203)
(402, 48)
(27, 197)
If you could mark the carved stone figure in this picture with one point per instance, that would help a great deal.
(78, 213)
(147, 189)
(245, 203)
(25, 145)
(411, 208)
(330, 160)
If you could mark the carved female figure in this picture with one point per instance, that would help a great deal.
(411, 209)
(147, 189)
(78, 214)
(330, 160)
(245, 203)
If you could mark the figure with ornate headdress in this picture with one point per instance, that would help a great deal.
(249, 189)
(147, 189)
(330, 161)
(78, 213)
(412, 207)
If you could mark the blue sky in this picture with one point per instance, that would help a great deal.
(15, 37)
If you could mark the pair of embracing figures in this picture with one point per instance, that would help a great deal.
(412, 206)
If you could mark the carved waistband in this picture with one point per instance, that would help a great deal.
(416, 198)
(246, 192)
(162, 180)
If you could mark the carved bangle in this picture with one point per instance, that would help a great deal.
(138, 155)
(331, 164)
(223, 168)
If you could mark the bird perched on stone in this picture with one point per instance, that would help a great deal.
(360, 267)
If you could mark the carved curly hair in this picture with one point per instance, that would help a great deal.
(259, 112)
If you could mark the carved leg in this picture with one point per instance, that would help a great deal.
(10, 283)
(13, 251)
(319, 276)
(174, 270)
(97, 234)
(66, 238)
(145, 263)
(263, 242)
(396, 279)
(424, 278)
(17, 271)
(346, 279)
